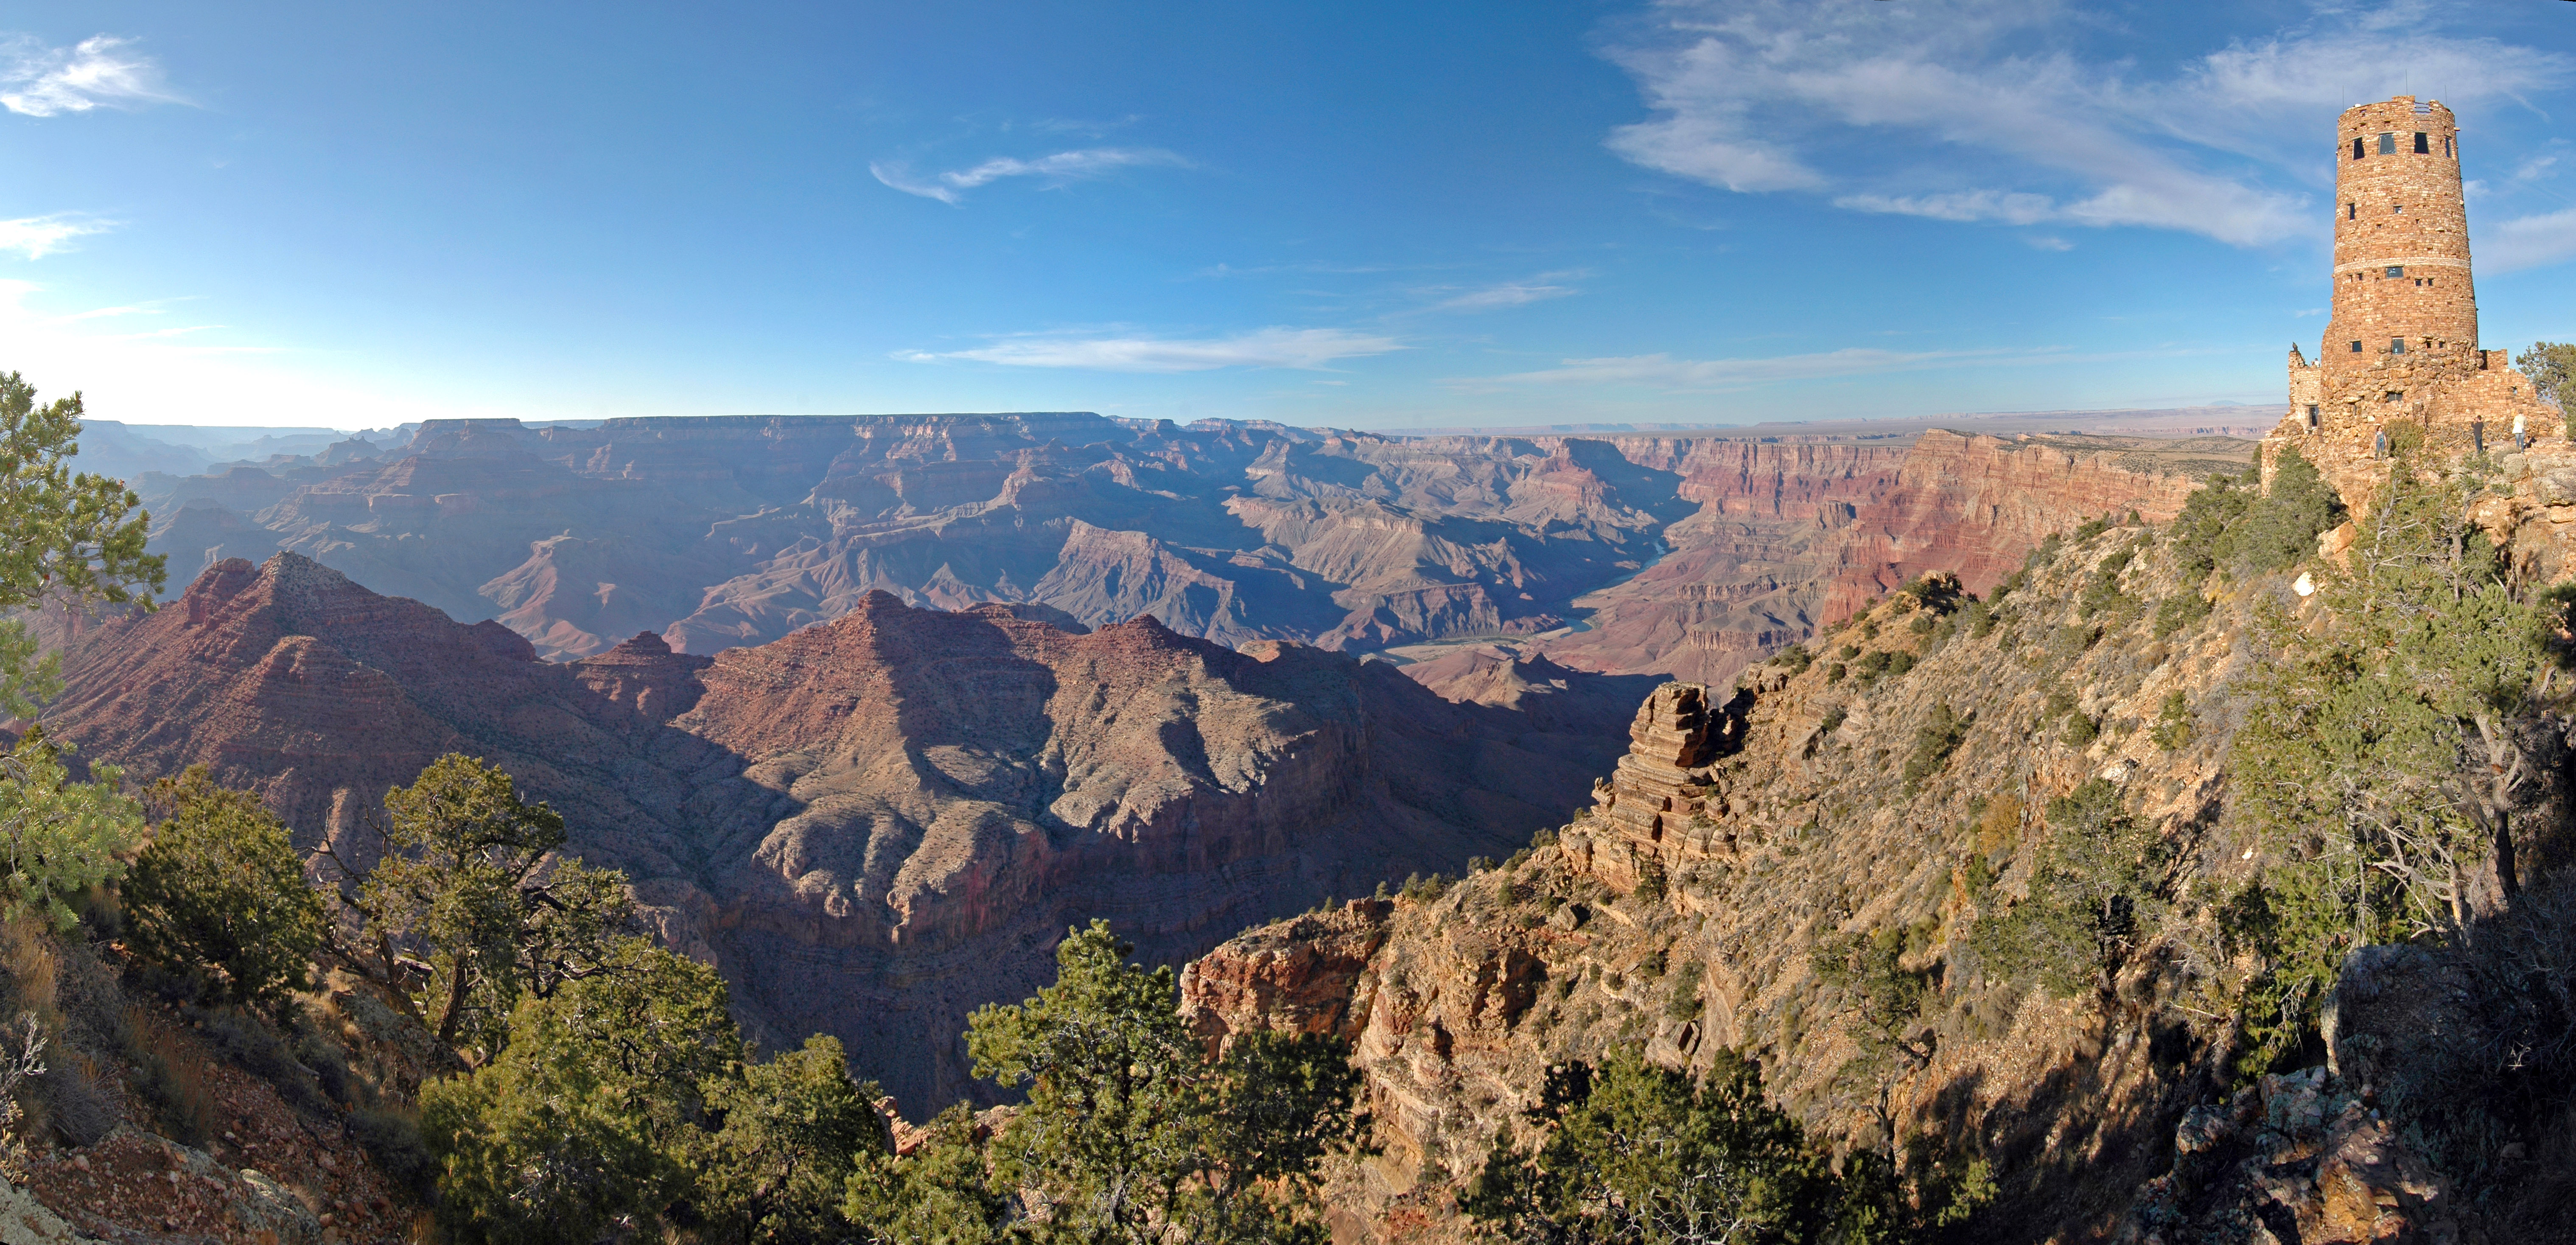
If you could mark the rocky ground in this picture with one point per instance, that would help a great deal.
(1745, 841)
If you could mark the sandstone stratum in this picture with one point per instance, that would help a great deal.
(872, 825)
(730, 531)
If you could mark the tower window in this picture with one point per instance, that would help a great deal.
(2397, 209)
(2356, 347)
(2397, 345)
(2351, 211)
(2447, 149)
(2393, 395)
(2423, 143)
(2356, 149)
(2397, 270)
(2388, 144)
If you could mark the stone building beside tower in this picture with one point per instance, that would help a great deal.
(2401, 353)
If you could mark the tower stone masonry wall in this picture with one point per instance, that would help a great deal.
(2401, 256)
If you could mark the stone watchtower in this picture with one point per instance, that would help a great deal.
(2401, 352)
(2401, 238)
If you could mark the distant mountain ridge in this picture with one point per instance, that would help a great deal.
(738, 530)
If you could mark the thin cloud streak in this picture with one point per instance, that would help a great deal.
(36, 237)
(1270, 347)
(100, 71)
(1507, 294)
(1055, 170)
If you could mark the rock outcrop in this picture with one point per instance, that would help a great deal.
(1891, 795)
(872, 825)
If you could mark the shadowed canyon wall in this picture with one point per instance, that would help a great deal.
(873, 825)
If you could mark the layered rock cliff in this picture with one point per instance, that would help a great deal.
(1790, 537)
(875, 824)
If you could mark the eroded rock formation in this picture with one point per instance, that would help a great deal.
(872, 825)
(717, 532)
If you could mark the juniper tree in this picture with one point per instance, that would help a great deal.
(71, 538)
(219, 892)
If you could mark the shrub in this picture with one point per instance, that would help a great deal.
(2173, 722)
(2080, 731)
(220, 892)
(586, 1115)
(392, 1139)
(775, 1170)
(2101, 594)
(2282, 530)
(1650, 880)
(2379, 758)
(1636, 1153)
(2098, 878)
(1685, 1003)
(1796, 657)
(1934, 741)
(75, 1101)
(2177, 612)
(2091, 528)
(171, 1079)
(58, 838)
(1981, 618)
(1868, 967)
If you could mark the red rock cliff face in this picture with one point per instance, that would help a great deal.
(873, 825)
(1792, 536)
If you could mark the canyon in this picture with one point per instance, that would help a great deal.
(875, 824)
(870, 711)
(1667, 554)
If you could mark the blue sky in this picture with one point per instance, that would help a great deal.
(1363, 215)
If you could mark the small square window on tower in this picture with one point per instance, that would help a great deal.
(2356, 347)
(2397, 270)
(2397, 345)
(2388, 144)
(2423, 143)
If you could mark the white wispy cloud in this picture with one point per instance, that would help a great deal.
(1508, 294)
(1270, 347)
(100, 71)
(2049, 242)
(1762, 95)
(38, 236)
(1057, 169)
(2527, 242)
